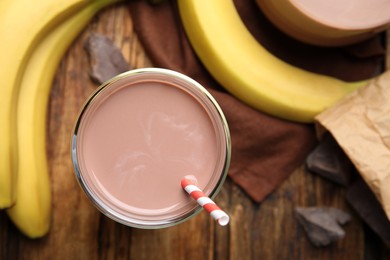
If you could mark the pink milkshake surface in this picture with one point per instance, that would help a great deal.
(139, 136)
(347, 14)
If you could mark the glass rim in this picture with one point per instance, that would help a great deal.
(222, 122)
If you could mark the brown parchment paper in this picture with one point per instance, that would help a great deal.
(360, 123)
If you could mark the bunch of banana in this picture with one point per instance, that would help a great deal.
(23, 24)
(248, 71)
(35, 35)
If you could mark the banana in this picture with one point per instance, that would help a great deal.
(22, 24)
(248, 71)
(31, 212)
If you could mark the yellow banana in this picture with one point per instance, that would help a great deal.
(31, 212)
(22, 24)
(248, 71)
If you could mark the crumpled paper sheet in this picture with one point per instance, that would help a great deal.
(360, 123)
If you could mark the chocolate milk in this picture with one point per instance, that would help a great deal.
(137, 141)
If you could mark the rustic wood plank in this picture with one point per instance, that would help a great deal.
(240, 227)
(305, 190)
(221, 235)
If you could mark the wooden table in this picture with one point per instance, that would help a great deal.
(257, 231)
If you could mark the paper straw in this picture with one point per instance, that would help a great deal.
(197, 194)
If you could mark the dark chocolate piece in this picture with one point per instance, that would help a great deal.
(106, 59)
(364, 202)
(329, 161)
(322, 225)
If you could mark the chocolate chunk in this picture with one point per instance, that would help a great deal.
(364, 202)
(322, 225)
(106, 59)
(329, 161)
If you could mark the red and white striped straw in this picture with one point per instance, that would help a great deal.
(197, 194)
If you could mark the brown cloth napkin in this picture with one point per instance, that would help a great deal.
(265, 150)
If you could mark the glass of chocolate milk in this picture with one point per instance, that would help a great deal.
(138, 135)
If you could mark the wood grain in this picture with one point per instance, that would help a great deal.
(257, 231)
